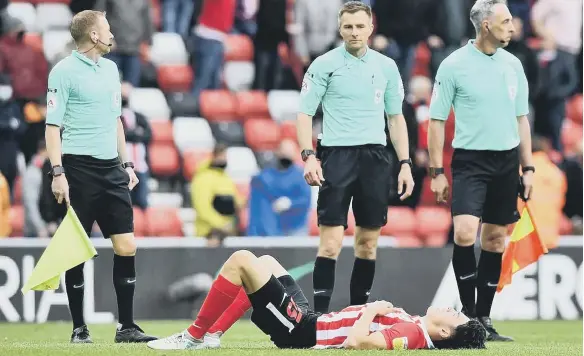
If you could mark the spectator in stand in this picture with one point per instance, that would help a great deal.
(214, 197)
(271, 31)
(12, 127)
(244, 17)
(279, 202)
(401, 25)
(548, 197)
(138, 136)
(558, 23)
(5, 223)
(521, 10)
(317, 28)
(176, 16)
(572, 166)
(207, 46)
(132, 23)
(32, 179)
(526, 55)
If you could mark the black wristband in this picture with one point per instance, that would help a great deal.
(528, 168)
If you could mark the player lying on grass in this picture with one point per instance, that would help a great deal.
(281, 310)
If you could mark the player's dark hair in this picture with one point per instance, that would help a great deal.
(470, 335)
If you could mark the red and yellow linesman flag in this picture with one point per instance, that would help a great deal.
(524, 248)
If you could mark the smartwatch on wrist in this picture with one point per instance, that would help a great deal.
(406, 161)
(57, 171)
(435, 172)
(307, 153)
(128, 164)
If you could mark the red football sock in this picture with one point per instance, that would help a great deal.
(220, 297)
(240, 305)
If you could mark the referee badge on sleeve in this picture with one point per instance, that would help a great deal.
(378, 94)
(305, 86)
(51, 102)
(116, 100)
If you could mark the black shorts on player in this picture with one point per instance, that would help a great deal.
(485, 185)
(281, 311)
(362, 173)
(98, 191)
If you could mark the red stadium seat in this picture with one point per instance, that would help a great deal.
(191, 161)
(175, 78)
(288, 130)
(17, 220)
(574, 109)
(409, 241)
(432, 220)
(163, 222)
(436, 240)
(18, 190)
(218, 105)
(261, 134)
(164, 159)
(251, 103)
(400, 221)
(140, 223)
(238, 48)
(161, 131)
(34, 40)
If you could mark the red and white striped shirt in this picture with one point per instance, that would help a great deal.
(401, 330)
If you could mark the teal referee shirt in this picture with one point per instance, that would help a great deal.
(354, 93)
(85, 98)
(488, 93)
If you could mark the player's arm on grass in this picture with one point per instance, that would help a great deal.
(57, 98)
(394, 97)
(314, 87)
(440, 105)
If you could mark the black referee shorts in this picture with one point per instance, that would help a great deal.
(99, 191)
(485, 184)
(362, 173)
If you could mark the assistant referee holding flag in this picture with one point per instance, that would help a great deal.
(90, 171)
(355, 85)
(488, 89)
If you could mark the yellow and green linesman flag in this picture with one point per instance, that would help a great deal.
(69, 247)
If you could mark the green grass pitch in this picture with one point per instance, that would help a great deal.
(533, 338)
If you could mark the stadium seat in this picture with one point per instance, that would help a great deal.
(54, 42)
(228, 132)
(241, 163)
(163, 222)
(432, 220)
(168, 49)
(266, 159)
(150, 102)
(34, 40)
(192, 158)
(283, 104)
(17, 190)
(25, 12)
(161, 131)
(140, 223)
(169, 200)
(164, 159)
(400, 221)
(574, 109)
(182, 104)
(243, 190)
(436, 240)
(409, 241)
(52, 17)
(238, 48)
(261, 134)
(217, 105)
(252, 104)
(288, 130)
(173, 78)
(192, 132)
(238, 75)
(17, 220)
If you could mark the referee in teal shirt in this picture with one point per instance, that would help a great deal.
(357, 87)
(487, 87)
(90, 170)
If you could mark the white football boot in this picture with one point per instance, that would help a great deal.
(180, 341)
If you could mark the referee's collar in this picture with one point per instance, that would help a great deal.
(363, 58)
(85, 59)
(471, 44)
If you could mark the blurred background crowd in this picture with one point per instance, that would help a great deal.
(210, 92)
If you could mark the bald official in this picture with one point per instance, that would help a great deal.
(488, 89)
(90, 170)
(361, 92)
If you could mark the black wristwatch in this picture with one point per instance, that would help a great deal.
(435, 172)
(406, 161)
(57, 171)
(128, 164)
(307, 153)
(528, 168)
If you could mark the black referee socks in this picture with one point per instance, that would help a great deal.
(323, 282)
(361, 280)
(74, 284)
(488, 277)
(465, 269)
(124, 284)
